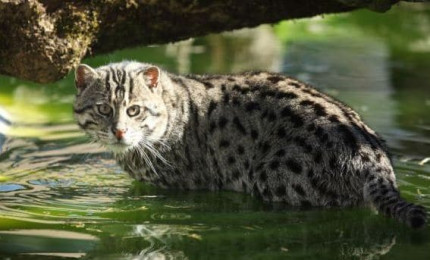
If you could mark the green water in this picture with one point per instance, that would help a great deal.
(63, 197)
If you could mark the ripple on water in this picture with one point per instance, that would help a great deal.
(60, 183)
(6, 187)
(47, 242)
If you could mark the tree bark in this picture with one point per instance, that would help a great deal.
(42, 40)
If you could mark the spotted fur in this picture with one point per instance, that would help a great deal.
(260, 133)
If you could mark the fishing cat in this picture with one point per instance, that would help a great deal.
(258, 132)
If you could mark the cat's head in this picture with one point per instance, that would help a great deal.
(120, 105)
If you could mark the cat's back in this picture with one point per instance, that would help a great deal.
(267, 124)
(283, 108)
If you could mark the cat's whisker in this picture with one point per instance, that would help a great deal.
(164, 144)
(147, 160)
(148, 146)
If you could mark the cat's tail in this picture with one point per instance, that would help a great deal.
(385, 197)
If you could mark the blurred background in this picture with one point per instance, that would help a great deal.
(63, 197)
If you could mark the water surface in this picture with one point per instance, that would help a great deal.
(63, 197)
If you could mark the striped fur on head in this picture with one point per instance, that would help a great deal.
(120, 105)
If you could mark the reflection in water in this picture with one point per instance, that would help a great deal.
(52, 180)
(45, 242)
(182, 51)
(241, 50)
(254, 233)
(4, 127)
(371, 251)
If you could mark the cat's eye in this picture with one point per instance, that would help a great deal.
(133, 110)
(104, 109)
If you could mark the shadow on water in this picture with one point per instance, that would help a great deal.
(61, 197)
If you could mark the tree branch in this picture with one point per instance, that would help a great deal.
(42, 40)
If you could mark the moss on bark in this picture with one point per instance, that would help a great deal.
(42, 40)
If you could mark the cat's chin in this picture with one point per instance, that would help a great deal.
(118, 148)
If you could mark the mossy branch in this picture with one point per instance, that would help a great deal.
(42, 40)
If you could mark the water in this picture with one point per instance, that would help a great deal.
(62, 197)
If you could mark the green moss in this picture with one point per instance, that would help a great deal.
(75, 23)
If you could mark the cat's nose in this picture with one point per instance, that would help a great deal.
(119, 133)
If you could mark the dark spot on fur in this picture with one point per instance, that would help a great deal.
(268, 93)
(236, 175)
(211, 151)
(275, 79)
(255, 191)
(296, 120)
(310, 174)
(271, 116)
(224, 143)
(274, 164)
(305, 204)
(302, 143)
(197, 181)
(319, 110)
(323, 138)
(237, 88)
(244, 186)
(319, 131)
(280, 191)
(212, 106)
(251, 106)
(280, 153)
(231, 160)
(263, 176)
(254, 134)
(244, 91)
(287, 95)
(281, 132)
(333, 119)
(365, 158)
(348, 137)
(265, 147)
(306, 103)
(311, 127)
(417, 222)
(294, 166)
(239, 126)
(259, 166)
(222, 122)
(240, 149)
(267, 193)
(208, 85)
(299, 189)
(264, 114)
(212, 127)
(235, 101)
(378, 157)
(333, 163)
(251, 174)
(220, 184)
(226, 98)
(286, 111)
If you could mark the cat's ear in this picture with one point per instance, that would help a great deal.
(152, 76)
(84, 75)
